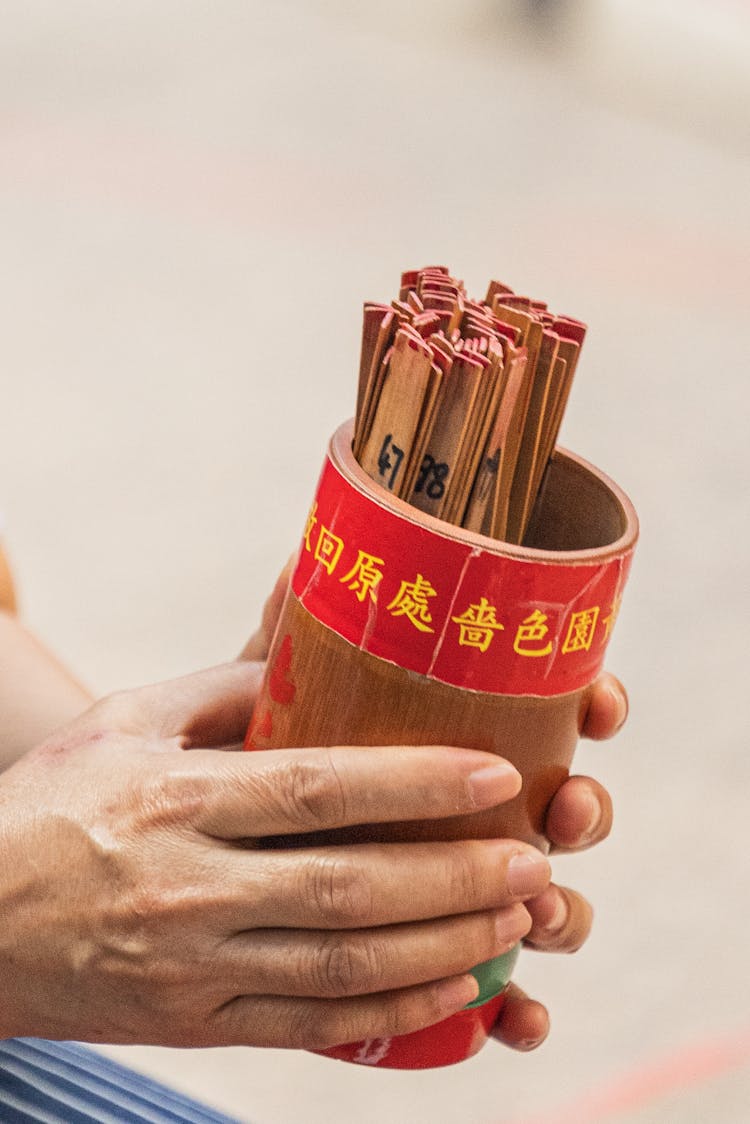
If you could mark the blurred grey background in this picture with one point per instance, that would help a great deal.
(195, 200)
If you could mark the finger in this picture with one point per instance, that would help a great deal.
(561, 920)
(208, 708)
(318, 1024)
(331, 965)
(367, 885)
(523, 1023)
(259, 643)
(579, 815)
(292, 791)
(605, 708)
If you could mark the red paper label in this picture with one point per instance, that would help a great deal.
(454, 612)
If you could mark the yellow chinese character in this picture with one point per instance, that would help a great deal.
(328, 548)
(364, 575)
(311, 521)
(477, 625)
(411, 601)
(609, 622)
(532, 631)
(581, 630)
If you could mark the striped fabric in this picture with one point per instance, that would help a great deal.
(63, 1083)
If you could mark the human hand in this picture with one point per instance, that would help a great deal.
(258, 646)
(579, 816)
(141, 901)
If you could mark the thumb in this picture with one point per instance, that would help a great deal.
(207, 709)
(259, 643)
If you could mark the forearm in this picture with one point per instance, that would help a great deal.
(37, 694)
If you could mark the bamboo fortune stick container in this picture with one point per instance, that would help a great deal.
(399, 628)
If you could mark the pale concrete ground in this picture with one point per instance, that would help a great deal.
(191, 194)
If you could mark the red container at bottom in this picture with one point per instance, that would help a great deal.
(452, 1040)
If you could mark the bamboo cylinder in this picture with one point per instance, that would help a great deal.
(498, 653)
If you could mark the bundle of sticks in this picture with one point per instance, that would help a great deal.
(460, 401)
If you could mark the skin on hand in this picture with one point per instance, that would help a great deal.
(579, 816)
(142, 903)
(139, 904)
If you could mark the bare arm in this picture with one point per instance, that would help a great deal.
(37, 694)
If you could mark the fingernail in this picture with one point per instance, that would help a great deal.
(594, 810)
(528, 874)
(454, 994)
(621, 705)
(494, 784)
(558, 914)
(530, 1043)
(511, 925)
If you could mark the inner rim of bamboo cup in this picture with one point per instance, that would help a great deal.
(581, 516)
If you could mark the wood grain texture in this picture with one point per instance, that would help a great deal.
(322, 690)
(343, 696)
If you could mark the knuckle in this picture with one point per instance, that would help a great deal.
(464, 879)
(339, 891)
(159, 913)
(333, 1024)
(330, 1024)
(148, 919)
(348, 967)
(114, 710)
(487, 941)
(155, 969)
(146, 905)
(408, 1013)
(169, 797)
(165, 976)
(314, 793)
(311, 1028)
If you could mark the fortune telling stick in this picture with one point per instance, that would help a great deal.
(460, 402)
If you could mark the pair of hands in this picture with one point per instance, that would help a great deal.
(141, 901)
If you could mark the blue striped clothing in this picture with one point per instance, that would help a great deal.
(63, 1083)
